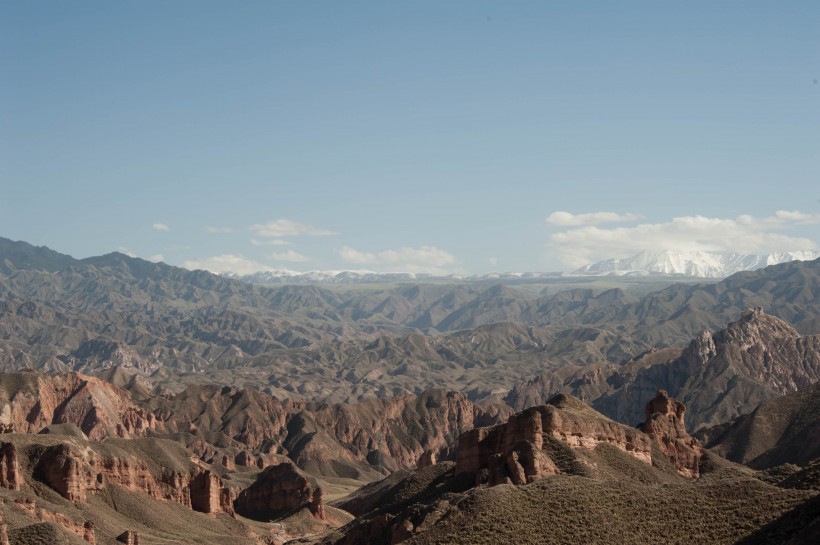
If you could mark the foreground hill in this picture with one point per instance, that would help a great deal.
(562, 473)
(216, 464)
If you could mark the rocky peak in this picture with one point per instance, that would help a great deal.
(755, 327)
(700, 350)
(280, 489)
(666, 427)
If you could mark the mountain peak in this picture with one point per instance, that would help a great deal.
(691, 263)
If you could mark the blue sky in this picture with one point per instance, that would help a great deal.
(437, 136)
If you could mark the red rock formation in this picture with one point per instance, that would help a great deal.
(9, 467)
(129, 537)
(665, 426)
(427, 458)
(4, 532)
(98, 408)
(404, 427)
(208, 495)
(512, 452)
(317, 506)
(74, 471)
(68, 472)
(88, 533)
(279, 489)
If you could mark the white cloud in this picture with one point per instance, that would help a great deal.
(271, 242)
(355, 256)
(227, 263)
(156, 258)
(793, 216)
(428, 259)
(566, 219)
(744, 234)
(219, 230)
(161, 227)
(126, 251)
(288, 228)
(493, 261)
(290, 255)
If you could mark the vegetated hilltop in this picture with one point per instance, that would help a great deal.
(182, 327)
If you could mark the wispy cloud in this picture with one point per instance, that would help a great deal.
(126, 251)
(271, 242)
(743, 234)
(427, 259)
(288, 228)
(290, 255)
(566, 219)
(161, 227)
(156, 258)
(219, 230)
(226, 263)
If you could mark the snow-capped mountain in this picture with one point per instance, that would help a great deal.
(701, 264)
(282, 276)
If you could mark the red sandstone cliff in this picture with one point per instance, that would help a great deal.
(665, 425)
(31, 401)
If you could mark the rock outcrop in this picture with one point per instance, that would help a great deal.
(88, 533)
(129, 537)
(209, 495)
(9, 467)
(4, 532)
(33, 401)
(665, 425)
(279, 490)
(513, 452)
(76, 470)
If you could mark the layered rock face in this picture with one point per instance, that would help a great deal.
(278, 490)
(208, 495)
(665, 425)
(513, 452)
(32, 401)
(517, 452)
(75, 471)
(405, 426)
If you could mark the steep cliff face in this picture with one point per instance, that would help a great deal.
(404, 427)
(519, 451)
(209, 495)
(279, 490)
(9, 467)
(32, 401)
(514, 452)
(665, 425)
(76, 470)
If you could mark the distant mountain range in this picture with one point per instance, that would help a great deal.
(284, 276)
(646, 263)
(699, 264)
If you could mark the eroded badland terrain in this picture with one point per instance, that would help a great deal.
(143, 403)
